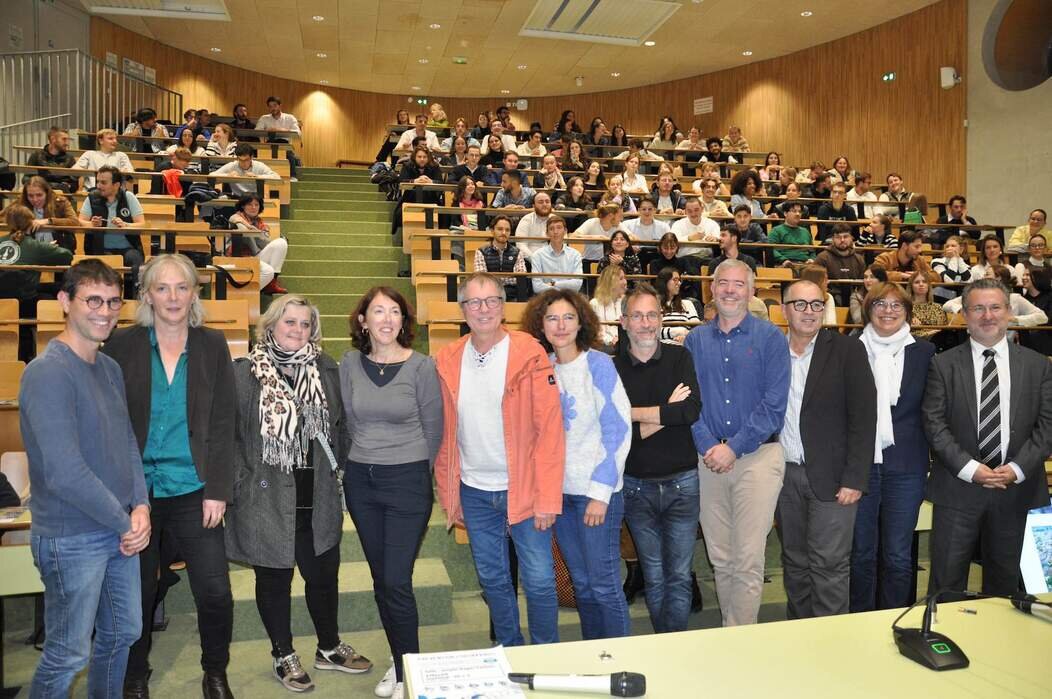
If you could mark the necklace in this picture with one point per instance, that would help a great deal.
(383, 366)
(481, 358)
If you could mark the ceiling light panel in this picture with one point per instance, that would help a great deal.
(602, 21)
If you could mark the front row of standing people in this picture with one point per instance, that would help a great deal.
(527, 432)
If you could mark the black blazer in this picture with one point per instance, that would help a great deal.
(838, 416)
(210, 399)
(950, 418)
(910, 451)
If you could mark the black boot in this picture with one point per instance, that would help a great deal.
(136, 688)
(214, 686)
(696, 604)
(633, 581)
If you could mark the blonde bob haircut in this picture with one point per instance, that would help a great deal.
(276, 310)
(148, 277)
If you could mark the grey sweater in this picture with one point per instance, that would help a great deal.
(398, 423)
(84, 462)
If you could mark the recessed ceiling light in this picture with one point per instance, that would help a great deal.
(415, 87)
(505, 92)
(615, 75)
(460, 60)
(746, 53)
(522, 66)
(436, 26)
(322, 55)
(324, 82)
(649, 43)
(216, 49)
(318, 18)
(423, 61)
(806, 13)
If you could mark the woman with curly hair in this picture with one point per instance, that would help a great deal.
(745, 186)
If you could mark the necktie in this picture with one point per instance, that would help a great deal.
(990, 412)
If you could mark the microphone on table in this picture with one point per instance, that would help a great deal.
(618, 684)
(1028, 604)
(931, 649)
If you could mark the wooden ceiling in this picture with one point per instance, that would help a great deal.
(409, 46)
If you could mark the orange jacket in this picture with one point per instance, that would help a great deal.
(534, 437)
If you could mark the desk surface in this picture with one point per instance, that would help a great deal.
(852, 655)
(22, 522)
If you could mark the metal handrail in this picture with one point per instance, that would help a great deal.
(33, 121)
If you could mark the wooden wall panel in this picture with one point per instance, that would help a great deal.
(818, 103)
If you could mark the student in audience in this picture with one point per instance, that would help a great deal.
(54, 154)
(502, 256)
(112, 206)
(460, 128)
(666, 139)
(241, 120)
(1036, 259)
(956, 214)
(694, 226)
(887, 513)
(179, 383)
(791, 195)
(393, 407)
(870, 277)
(480, 131)
(557, 258)
(255, 241)
(513, 193)
(827, 443)
(467, 196)
(458, 152)
(836, 209)
(507, 141)
(197, 121)
(744, 187)
(575, 160)
(532, 146)
(734, 140)
(607, 220)
(729, 250)
(574, 199)
(549, 176)
(951, 267)
(1023, 312)
(840, 261)
(816, 274)
(820, 188)
(916, 209)
(632, 181)
(286, 511)
(598, 435)
(223, 143)
(619, 253)
(1020, 239)
(1037, 289)
(471, 167)
(48, 208)
(810, 174)
(668, 199)
(437, 116)
(842, 172)
(504, 115)
(878, 234)
(925, 310)
(277, 120)
(245, 165)
(676, 309)
(861, 193)
(419, 130)
(709, 171)
(509, 163)
(493, 152)
(606, 302)
(645, 227)
(145, 125)
(186, 140)
(534, 224)
(615, 195)
(792, 233)
(896, 192)
(690, 149)
(661, 474)
(907, 259)
(107, 154)
(715, 154)
(594, 177)
(711, 206)
(742, 369)
(989, 447)
(500, 468)
(992, 254)
(772, 167)
(90, 507)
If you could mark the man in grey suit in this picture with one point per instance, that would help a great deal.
(988, 417)
(828, 437)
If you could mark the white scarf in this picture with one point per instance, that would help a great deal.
(886, 359)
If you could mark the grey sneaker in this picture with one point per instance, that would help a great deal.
(385, 687)
(342, 658)
(290, 673)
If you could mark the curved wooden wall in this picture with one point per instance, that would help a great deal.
(818, 103)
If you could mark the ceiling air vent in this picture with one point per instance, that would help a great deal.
(214, 10)
(598, 21)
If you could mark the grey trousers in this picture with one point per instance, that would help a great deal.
(816, 548)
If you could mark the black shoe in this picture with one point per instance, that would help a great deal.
(696, 604)
(214, 686)
(633, 581)
(136, 689)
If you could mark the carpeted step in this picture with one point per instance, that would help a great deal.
(356, 285)
(319, 225)
(377, 269)
(342, 204)
(349, 177)
(337, 246)
(301, 213)
(323, 190)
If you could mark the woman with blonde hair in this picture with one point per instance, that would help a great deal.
(223, 142)
(606, 302)
(49, 208)
(437, 116)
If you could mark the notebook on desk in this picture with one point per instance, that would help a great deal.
(1036, 561)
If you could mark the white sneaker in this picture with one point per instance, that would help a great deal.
(399, 691)
(385, 687)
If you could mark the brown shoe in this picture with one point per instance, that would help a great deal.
(136, 689)
(342, 658)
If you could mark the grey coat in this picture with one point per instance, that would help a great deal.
(261, 519)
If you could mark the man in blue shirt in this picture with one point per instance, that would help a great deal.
(91, 513)
(742, 364)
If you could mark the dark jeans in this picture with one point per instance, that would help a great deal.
(206, 565)
(662, 515)
(390, 506)
(886, 518)
(320, 575)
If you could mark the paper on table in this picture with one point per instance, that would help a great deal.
(462, 674)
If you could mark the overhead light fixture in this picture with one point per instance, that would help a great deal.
(649, 43)
(423, 61)
(436, 26)
(505, 92)
(318, 18)
(460, 60)
(415, 87)
(522, 66)
(324, 82)
(806, 13)
(888, 77)
(615, 75)
(322, 55)
(579, 80)
(216, 49)
(746, 53)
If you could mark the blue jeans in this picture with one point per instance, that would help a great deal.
(88, 585)
(486, 519)
(593, 557)
(886, 518)
(662, 515)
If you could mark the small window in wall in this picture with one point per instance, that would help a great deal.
(1017, 44)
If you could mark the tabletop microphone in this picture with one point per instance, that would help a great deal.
(1028, 604)
(617, 684)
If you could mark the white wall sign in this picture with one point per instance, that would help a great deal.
(151, 75)
(703, 105)
(112, 61)
(134, 69)
(15, 37)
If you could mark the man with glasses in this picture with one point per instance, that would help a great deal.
(91, 513)
(988, 417)
(827, 438)
(499, 471)
(742, 369)
(661, 476)
(1021, 240)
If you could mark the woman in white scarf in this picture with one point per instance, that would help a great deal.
(887, 513)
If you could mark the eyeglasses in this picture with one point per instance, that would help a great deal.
(652, 316)
(476, 304)
(565, 317)
(1038, 245)
(981, 310)
(801, 305)
(95, 302)
(883, 305)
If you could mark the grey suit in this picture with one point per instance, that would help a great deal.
(967, 513)
(261, 519)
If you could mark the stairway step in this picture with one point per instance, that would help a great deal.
(326, 226)
(334, 246)
(324, 190)
(355, 177)
(342, 204)
(301, 213)
(376, 269)
(315, 284)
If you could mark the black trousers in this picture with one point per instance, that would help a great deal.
(390, 506)
(180, 518)
(320, 575)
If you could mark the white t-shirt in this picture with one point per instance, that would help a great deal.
(638, 231)
(529, 226)
(94, 159)
(683, 229)
(480, 419)
(592, 228)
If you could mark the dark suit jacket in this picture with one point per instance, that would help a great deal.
(210, 406)
(838, 416)
(950, 418)
(910, 451)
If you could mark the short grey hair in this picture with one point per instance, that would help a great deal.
(276, 310)
(726, 265)
(148, 277)
(980, 284)
(480, 277)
